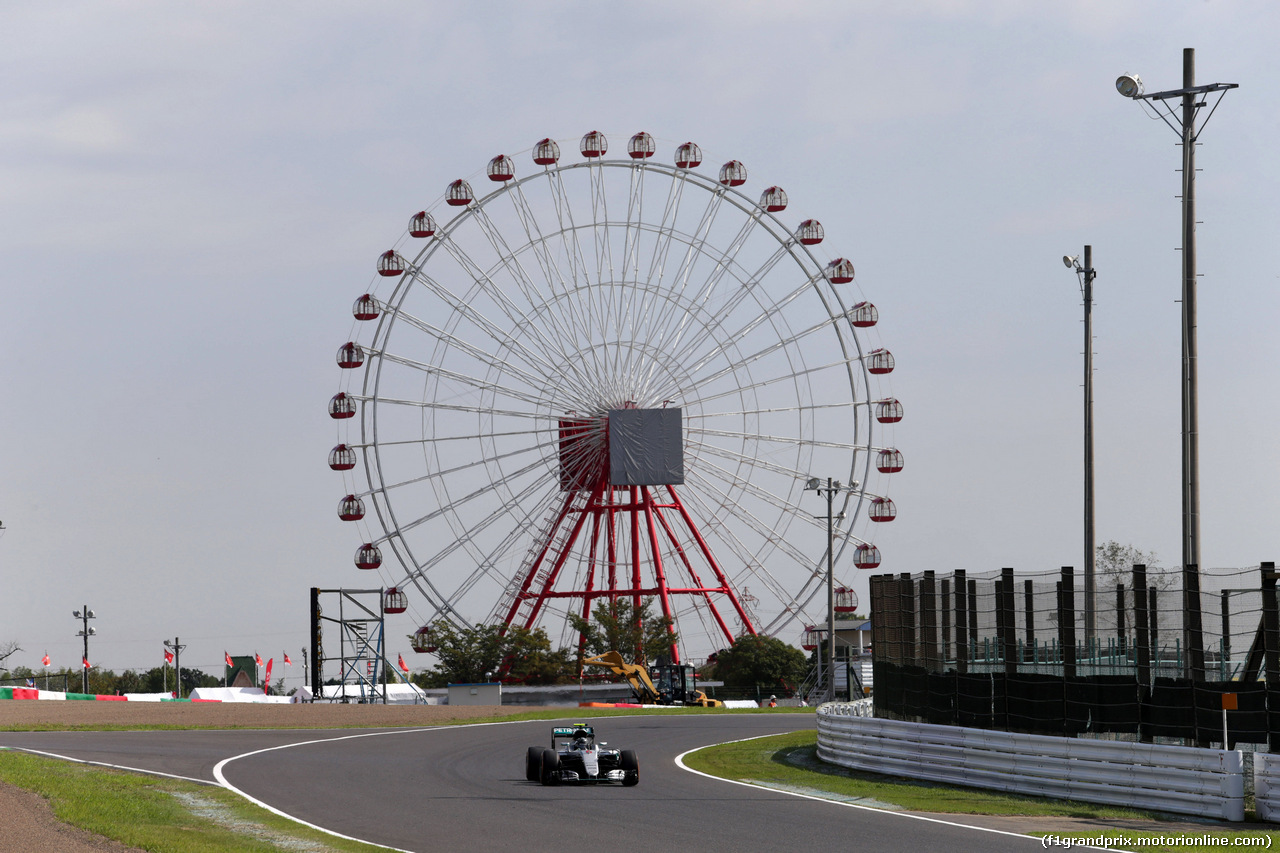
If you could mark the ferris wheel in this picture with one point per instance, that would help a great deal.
(588, 378)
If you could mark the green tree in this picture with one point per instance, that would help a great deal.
(529, 659)
(470, 655)
(1113, 563)
(760, 662)
(618, 626)
(487, 653)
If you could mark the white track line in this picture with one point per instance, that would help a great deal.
(680, 763)
(222, 780)
(110, 766)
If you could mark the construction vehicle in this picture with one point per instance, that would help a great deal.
(664, 684)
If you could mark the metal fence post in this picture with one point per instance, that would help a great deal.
(944, 609)
(1193, 623)
(1010, 634)
(962, 623)
(928, 623)
(1030, 598)
(1271, 644)
(1067, 621)
(907, 607)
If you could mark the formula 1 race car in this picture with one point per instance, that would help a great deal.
(576, 758)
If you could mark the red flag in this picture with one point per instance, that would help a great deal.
(257, 658)
(267, 681)
(45, 660)
(287, 662)
(403, 666)
(168, 656)
(87, 665)
(228, 657)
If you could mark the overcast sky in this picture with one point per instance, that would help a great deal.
(191, 196)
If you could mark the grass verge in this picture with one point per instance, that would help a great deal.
(790, 763)
(160, 814)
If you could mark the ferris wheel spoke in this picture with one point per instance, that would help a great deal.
(468, 538)
(579, 268)
(654, 310)
(755, 461)
(463, 308)
(486, 562)
(555, 279)
(684, 271)
(568, 232)
(768, 316)
(479, 354)
(738, 413)
(717, 275)
(635, 214)
(472, 381)
(762, 495)
(511, 263)
(600, 216)
(454, 407)
(780, 439)
(547, 348)
(749, 286)
(432, 477)
(745, 554)
(666, 229)
(459, 502)
(773, 380)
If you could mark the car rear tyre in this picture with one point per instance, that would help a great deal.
(550, 772)
(533, 763)
(630, 766)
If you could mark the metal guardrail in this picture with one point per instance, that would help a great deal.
(1203, 782)
(1266, 785)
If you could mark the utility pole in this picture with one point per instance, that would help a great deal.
(1086, 275)
(84, 616)
(176, 648)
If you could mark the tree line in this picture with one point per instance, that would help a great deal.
(470, 655)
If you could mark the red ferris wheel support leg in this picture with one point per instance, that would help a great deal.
(537, 563)
(635, 565)
(660, 574)
(697, 581)
(562, 554)
(711, 560)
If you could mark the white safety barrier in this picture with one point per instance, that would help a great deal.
(1266, 785)
(1204, 782)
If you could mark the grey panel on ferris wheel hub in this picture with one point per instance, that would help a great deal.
(646, 447)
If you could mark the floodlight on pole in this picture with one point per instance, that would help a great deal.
(1192, 99)
(829, 491)
(1129, 85)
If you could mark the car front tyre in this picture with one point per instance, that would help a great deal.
(533, 763)
(550, 772)
(631, 767)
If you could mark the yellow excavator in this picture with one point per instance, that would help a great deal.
(676, 684)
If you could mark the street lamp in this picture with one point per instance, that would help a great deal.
(830, 490)
(84, 616)
(1086, 274)
(176, 648)
(1193, 99)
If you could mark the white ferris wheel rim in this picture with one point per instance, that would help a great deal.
(528, 368)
